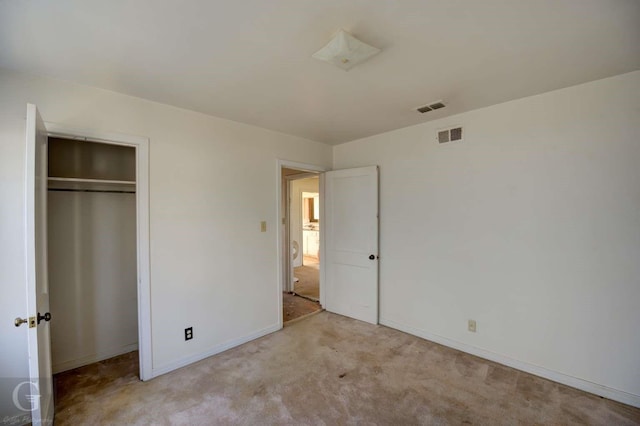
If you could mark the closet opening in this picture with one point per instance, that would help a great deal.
(92, 261)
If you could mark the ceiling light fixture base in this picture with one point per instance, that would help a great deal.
(345, 51)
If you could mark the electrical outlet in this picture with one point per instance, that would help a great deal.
(188, 333)
(472, 326)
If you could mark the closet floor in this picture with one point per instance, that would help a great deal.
(75, 388)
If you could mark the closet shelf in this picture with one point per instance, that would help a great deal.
(100, 181)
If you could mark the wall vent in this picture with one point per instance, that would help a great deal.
(451, 134)
(431, 107)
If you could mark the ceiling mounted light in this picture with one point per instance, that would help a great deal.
(345, 51)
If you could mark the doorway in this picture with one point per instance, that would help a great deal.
(114, 173)
(301, 212)
(348, 238)
(92, 256)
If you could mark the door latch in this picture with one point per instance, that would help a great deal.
(32, 321)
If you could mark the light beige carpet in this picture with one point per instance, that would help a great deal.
(308, 284)
(331, 370)
(294, 307)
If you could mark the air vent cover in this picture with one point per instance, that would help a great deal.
(451, 134)
(443, 136)
(456, 134)
(430, 107)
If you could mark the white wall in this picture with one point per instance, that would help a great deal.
(211, 183)
(92, 276)
(531, 226)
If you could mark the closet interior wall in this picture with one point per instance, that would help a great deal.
(92, 252)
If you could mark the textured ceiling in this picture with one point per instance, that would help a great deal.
(250, 60)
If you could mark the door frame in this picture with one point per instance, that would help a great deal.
(284, 254)
(141, 145)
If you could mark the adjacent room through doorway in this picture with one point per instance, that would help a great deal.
(306, 262)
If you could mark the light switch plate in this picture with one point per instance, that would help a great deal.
(263, 226)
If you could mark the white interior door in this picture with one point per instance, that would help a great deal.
(37, 284)
(351, 253)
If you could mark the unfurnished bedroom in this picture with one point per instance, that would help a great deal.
(326, 212)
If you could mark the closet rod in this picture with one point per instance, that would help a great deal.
(112, 191)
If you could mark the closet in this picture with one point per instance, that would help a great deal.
(92, 251)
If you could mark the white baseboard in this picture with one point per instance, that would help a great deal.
(90, 359)
(574, 382)
(164, 369)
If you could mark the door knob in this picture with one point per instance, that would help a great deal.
(372, 256)
(46, 317)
